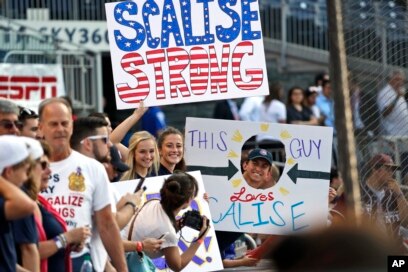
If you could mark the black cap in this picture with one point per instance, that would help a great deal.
(116, 160)
(260, 153)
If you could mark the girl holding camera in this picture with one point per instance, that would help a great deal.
(157, 219)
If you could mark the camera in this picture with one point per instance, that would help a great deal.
(192, 219)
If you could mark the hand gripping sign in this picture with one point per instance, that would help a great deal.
(247, 191)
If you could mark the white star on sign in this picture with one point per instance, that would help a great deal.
(118, 10)
(129, 6)
(127, 44)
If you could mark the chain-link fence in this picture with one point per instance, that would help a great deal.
(376, 39)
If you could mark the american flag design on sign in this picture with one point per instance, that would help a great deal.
(173, 52)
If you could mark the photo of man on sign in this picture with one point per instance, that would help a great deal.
(257, 169)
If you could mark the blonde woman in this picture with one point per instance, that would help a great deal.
(143, 157)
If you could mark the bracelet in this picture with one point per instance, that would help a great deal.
(63, 240)
(200, 241)
(132, 204)
(58, 242)
(139, 246)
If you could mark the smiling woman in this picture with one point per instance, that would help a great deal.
(143, 156)
(171, 149)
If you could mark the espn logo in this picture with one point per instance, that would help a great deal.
(397, 263)
(27, 87)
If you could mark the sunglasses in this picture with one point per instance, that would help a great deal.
(44, 164)
(104, 138)
(25, 112)
(7, 124)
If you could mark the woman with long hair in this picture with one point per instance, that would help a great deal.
(157, 218)
(171, 149)
(296, 112)
(143, 156)
(55, 241)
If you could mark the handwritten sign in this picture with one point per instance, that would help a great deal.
(185, 51)
(297, 202)
(207, 257)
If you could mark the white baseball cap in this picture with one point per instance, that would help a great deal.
(13, 151)
(34, 147)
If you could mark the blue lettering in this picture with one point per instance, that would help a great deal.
(187, 23)
(231, 212)
(317, 145)
(202, 140)
(292, 208)
(227, 35)
(277, 214)
(240, 213)
(84, 36)
(122, 42)
(70, 34)
(150, 8)
(260, 222)
(224, 145)
(170, 25)
(247, 17)
(299, 149)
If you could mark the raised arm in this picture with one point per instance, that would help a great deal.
(16, 203)
(120, 131)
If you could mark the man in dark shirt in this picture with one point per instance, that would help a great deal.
(15, 165)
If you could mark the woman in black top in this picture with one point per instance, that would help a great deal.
(171, 149)
(296, 113)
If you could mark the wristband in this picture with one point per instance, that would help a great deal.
(58, 242)
(63, 240)
(139, 246)
(200, 241)
(132, 204)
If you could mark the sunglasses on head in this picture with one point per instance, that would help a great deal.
(7, 124)
(25, 112)
(104, 138)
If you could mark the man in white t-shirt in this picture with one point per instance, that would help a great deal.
(393, 107)
(78, 185)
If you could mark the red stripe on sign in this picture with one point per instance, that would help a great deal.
(198, 81)
(140, 95)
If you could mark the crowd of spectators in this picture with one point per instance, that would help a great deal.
(58, 208)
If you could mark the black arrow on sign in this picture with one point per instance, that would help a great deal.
(229, 170)
(294, 173)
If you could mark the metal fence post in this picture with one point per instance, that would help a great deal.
(343, 116)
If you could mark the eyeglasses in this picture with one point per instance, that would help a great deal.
(7, 124)
(104, 138)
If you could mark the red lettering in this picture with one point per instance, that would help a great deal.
(242, 197)
(23, 87)
(203, 66)
(156, 57)
(255, 75)
(219, 75)
(199, 70)
(178, 59)
(137, 93)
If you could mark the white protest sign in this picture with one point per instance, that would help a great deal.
(207, 257)
(173, 52)
(297, 202)
(29, 84)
